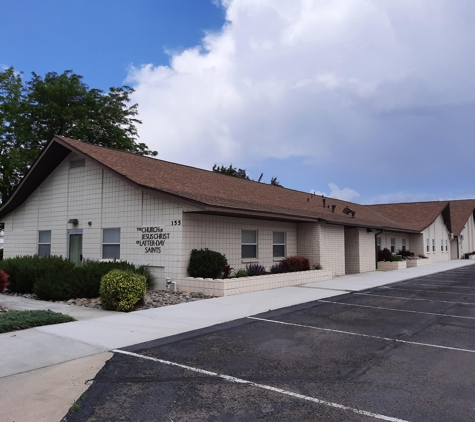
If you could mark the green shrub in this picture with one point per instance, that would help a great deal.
(241, 273)
(121, 290)
(206, 263)
(317, 267)
(24, 271)
(54, 285)
(395, 258)
(296, 263)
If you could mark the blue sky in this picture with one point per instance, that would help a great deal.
(364, 100)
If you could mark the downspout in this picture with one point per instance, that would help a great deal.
(376, 246)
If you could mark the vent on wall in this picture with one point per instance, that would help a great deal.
(77, 163)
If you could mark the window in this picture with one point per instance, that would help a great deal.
(378, 243)
(44, 243)
(249, 244)
(403, 244)
(111, 244)
(433, 245)
(442, 245)
(278, 245)
(446, 246)
(427, 245)
(393, 244)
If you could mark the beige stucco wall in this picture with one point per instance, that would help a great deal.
(468, 233)
(323, 244)
(224, 234)
(386, 240)
(437, 231)
(360, 251)
(90, 194)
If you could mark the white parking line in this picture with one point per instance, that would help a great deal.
(414, 298)
(364, 335)
(439, 285)
(393, 309)
(263, 386)
(426, 291)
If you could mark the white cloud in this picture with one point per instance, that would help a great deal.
(344, 84)
(345, 194)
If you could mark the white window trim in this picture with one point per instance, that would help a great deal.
(251, 259)
(108, 243)
(41, 244)
(279, 244)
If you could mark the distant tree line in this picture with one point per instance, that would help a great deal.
(241, 174)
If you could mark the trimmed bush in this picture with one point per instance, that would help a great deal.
(121, 290)
(24, 271)
(255, 269)
(241, 273)
(395, 258)
(296, 263)
(3, 280)
(206, 263)
(384, 255)
(278, 268)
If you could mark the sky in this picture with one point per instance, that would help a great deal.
(370, 101)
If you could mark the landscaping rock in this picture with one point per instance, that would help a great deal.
(153, 299)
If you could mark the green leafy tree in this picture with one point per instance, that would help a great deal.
(32, 112)
(231, 171)
(241, 174)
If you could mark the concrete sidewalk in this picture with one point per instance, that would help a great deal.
(34, 362)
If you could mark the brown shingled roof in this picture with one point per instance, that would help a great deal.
(217, 193)
(417, 215)
(460, 211)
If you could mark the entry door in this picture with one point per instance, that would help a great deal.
(75, 246)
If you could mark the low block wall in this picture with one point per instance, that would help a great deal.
(235, 286)
(417, 262)
(389, 266)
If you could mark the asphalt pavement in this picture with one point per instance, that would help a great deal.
(400, 351)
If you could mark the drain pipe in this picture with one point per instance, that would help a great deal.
(376, 246)
(169, 283)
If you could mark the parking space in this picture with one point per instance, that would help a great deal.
(403, 352)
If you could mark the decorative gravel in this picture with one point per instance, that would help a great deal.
(153, 299)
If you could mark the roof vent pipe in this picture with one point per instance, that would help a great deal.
(323, 199)
(333, 208)
(353, 214)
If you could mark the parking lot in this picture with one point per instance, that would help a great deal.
(402, 352)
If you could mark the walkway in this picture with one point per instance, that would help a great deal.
(44, 369)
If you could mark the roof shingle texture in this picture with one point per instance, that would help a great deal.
(227, 193)
(417, 215)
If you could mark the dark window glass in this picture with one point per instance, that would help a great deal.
(249, 251)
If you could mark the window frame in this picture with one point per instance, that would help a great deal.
(433, 245)
(111, 243)
(446, 245)
(44, 243)
(244, 244)
(442, 245)
(274, 244)
(403, 244)
(378, 243)
(427, 245)
(393, 244)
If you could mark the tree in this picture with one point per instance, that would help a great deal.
(32, 112)
(231, 171)
(241, 174)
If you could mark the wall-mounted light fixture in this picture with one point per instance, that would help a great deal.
(73, 221)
